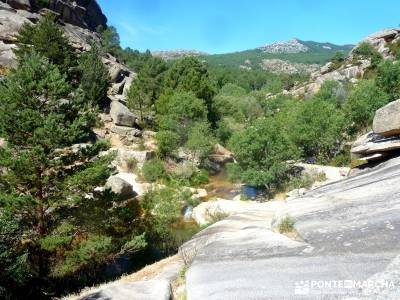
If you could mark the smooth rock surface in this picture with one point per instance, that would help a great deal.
(206, 211)
(347, 230)
(139, 290)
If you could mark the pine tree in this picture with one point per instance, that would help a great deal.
(95, 79)
(45, 175)
(146, 88)
(191, 75)
(48, 39)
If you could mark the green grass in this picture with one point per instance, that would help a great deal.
(286, 225)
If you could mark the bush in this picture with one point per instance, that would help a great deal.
(365, 50)
(362, 103)
(167, 142)
(199, 178)
(131, 164)
(200, 140)
(316, 127)
(153, 170)
(395, 49)
(332, 91)
(261, 152)
(162, 209)
(388, 79)
(305, 181)
(337, 60)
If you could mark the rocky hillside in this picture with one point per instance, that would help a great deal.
(83, 13)
(290, 52)
(78, 19)
(281, 66)
(291, 46)
(355, 65)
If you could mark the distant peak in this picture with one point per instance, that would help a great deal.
(291, 46)
(178, 53)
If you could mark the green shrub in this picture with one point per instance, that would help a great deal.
(364, 49)
(316, 127)
(199, 178)
(395, 49)
(388, 78)
(261, 152)
(200, 140)
(286, 225)
(338, 60)
(90, 251)
(305, 180)
(362, 103)
(167, 142)
(131, 164)
(153, 170)
(178, 112)
(217, 216)
(367, 51)
(162, 209)
(134, 245)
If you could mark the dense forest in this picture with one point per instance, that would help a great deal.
(59, 229)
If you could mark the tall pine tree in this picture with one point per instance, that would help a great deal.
(46, 172)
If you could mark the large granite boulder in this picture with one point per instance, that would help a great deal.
(128, 83)
(120, 187)
(121, 115)
(375, 143)
(221, 155)
(126, 157)
(117, 71)
(374, 147)
(387, 119)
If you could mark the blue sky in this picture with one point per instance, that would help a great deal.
(219, 26)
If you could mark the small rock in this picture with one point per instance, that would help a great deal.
(126, 131)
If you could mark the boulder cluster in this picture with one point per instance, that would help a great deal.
(124, 122)
(384, 141)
